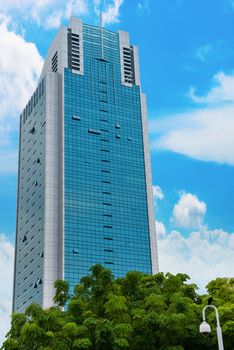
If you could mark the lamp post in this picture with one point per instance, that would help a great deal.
(205, 327)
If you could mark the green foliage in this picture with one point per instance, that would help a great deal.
(61, 295)
(82, 344)
(138, 312)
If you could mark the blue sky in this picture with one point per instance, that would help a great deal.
(186, 57)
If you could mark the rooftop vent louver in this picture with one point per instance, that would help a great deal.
(128, 65)
(55, 62)
(73, 50)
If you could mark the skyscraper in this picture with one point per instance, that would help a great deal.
(84, 182)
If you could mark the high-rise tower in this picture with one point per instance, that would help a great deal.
(84, 183)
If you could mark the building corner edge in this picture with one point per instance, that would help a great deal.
(149, 187)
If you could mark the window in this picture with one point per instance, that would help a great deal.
(102, 86)
(33, 130)
(102, 96)
(76, 117)
(95, 131)
(41, 88)
(24, 116)
(36, 97)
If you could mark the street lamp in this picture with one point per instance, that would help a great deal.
(205, 327)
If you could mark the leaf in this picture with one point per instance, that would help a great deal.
(11, 344)
(61, 293)
(70, 329)
(115, 304)
(154, 301)
(121, 343)
(82, 344)
(123, 330)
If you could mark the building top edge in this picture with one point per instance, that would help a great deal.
(87, 25)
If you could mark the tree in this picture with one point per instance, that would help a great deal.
(139, 311)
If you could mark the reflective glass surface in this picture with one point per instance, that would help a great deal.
(105, 205)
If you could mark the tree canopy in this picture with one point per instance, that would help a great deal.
(137, 312)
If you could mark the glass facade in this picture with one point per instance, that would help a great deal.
(84, 182)
(105, 204)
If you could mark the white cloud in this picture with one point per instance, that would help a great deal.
(51, 13)
(144, 6)
(54, 20)
(189, 211)
(28, 9)
(158, 193)
(202, 255)
(10, 5)
(6, 278)
(202, 51)
(20, 66)
(205, 133)
(222, 92)
(76, 8)
(160, 229)
(210, 53)
(110, 14)
(69, 8)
